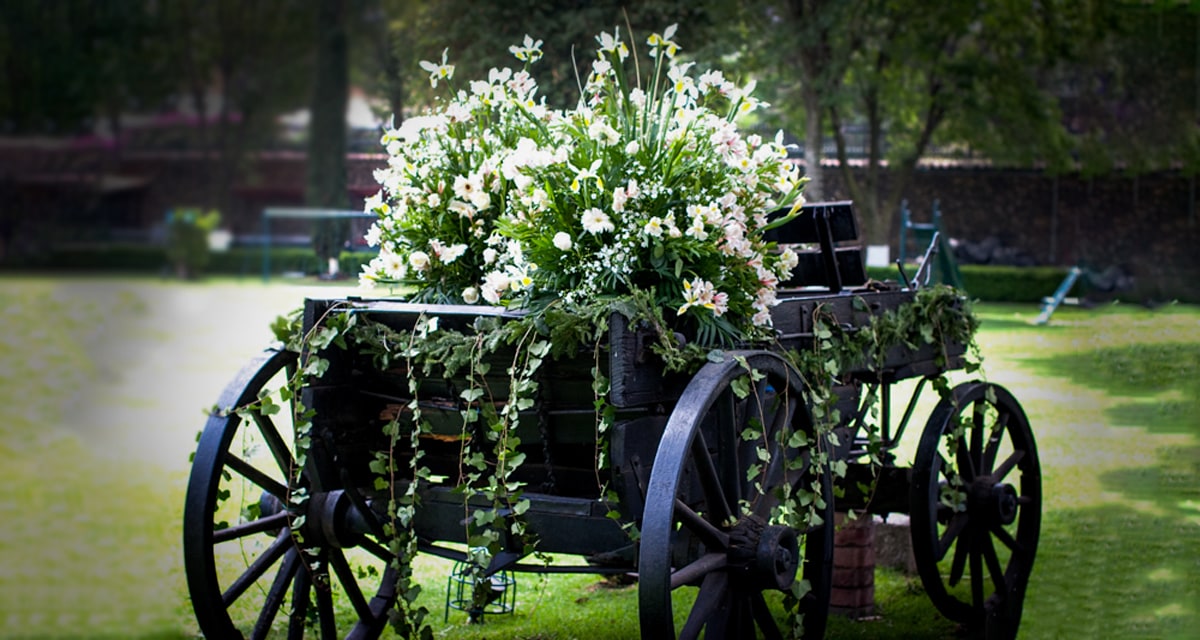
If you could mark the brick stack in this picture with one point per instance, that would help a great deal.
(853, 567)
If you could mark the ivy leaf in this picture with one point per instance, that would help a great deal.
(740, 387)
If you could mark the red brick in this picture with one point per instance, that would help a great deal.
(854, 557)
(853, 601)
(853, 577)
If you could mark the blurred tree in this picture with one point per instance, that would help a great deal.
(64, 63)
(478, 35)
(387, 63)
(910, 72)
(255, 56)
(325, 186)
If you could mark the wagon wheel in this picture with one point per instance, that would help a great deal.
(247, 573)
(976, 508)
(706, 525)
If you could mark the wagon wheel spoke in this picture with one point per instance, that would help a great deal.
(274, 521)
(998, 507)
(710, 480)
(257, 568)
(1009, 463)
(1005, 537)
(714, 592)
(283, 579)
(953, 529)
(966, 464)
(995, 438)
(776, 472)
(702, 566)
(944, 468)
(709, 534)
(763, 618)
(698, 499)
(350, 584)
(259, 478)
(325, 613)
(244, 572)
(978, 426)
(958, 565)
(729, 470)
(376, 549)
(301, 600)
(977, 570)
(279, 450)
(993, 563)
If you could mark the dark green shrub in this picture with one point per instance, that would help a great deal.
(187, 239)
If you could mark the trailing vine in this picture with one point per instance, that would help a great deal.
(490, 453)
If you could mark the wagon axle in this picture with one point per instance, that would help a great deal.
(997, 500)
(331, 519)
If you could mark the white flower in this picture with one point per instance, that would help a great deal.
(619, 198)
(470, 295)
(530, 51)
(787, 261)
(663, 42)
(451, 253)
(374, 235)
(632, 148)
(437, 71)
(519, 277)
(494, 286)
(366, 278)
(654, 227)
(596, 221)
(600, 130)
(461, 208)
(637, 97)
(467, 186)
(612, 43)
(562, 241)
(582, 175)
(701, 293)
(489, 255)
(419, 260)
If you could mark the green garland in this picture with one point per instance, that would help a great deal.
(937, 315)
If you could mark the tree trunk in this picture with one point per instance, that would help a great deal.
(814, 191)
(326, 169)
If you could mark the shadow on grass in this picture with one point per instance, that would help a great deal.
(1130, 569)
(1162, 381)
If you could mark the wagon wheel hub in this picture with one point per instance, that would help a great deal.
(1004, 502)
(769, 554)
(331, 519)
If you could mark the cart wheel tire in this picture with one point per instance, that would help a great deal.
(976, 506)
(706, 525)
(247, 573)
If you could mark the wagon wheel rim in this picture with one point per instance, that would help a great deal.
(976, 508)
(247, 573)
(702, 527)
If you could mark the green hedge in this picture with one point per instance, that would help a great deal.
(147, 259)
(982, 282)
(994, 283)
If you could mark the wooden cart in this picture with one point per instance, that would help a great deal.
(678, 466)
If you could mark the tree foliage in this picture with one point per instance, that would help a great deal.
(911, 73)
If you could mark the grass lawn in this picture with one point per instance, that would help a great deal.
(104, 382)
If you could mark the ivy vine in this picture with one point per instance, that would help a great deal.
(493, 498)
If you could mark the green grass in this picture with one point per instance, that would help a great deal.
(104, 382)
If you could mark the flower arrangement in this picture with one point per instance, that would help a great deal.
(646, 185)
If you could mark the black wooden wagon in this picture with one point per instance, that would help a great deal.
(709, 557)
